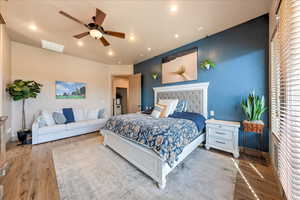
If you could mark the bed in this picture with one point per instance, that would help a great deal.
(124, 134)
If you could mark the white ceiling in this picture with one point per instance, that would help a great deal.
(150, 21)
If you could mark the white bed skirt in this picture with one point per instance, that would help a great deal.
(145, 159)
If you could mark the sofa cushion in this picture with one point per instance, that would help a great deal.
(68, 113)
(52, 129)
(47, 116)
(86, 123)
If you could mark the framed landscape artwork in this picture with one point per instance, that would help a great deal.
(180, 67)
(70, 90)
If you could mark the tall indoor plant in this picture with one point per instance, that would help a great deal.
(253, 107)
(21, 90)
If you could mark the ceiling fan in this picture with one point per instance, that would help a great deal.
(96, 30)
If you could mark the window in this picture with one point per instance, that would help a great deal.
(285, 95)
(275, 84)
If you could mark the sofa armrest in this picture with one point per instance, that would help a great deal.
(37, 124)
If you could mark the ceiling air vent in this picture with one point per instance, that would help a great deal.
(52, 46)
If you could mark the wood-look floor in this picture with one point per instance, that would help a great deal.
(32, 174)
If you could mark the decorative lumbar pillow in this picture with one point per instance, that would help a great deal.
(171, 105)
(69, 115)
(101, 113)
(181, 106)
(59, 118)
(48, 118)
(158, 111)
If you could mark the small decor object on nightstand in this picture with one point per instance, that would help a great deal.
(223, 135)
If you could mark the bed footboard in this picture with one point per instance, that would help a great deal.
(145, 159)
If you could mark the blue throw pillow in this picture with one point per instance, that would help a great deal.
(68, 113)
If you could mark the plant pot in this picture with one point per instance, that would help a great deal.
(253, 126)
(22, 136)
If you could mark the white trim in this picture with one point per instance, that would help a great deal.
(195, 86)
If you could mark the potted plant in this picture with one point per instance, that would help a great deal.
(155, 75)
(253, 107)
(207, 64)
(21, 90)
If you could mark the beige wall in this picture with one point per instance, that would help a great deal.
(5, 75)
(46, 67)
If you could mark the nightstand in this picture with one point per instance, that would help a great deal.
(223, 135)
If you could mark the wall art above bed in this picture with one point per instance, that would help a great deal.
(70, 90)
(180, 67)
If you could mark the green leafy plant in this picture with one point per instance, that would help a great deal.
(207, 64)
(155, 75)
(22, 90)
(253, 107)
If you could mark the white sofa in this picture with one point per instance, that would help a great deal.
(44, 128)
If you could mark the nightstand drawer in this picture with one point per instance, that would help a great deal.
(222, 144)
(222, 133)
(220, 126)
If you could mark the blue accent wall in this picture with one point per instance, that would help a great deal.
(241, 56)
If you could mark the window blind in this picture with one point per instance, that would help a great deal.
(275, 84)
(289, 98)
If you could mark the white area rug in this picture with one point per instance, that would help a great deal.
(88, 170)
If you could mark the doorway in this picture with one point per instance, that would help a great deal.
(121, 99)
(126, 94)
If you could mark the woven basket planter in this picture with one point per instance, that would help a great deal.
(256, 127)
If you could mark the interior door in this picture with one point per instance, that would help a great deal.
(134, 101)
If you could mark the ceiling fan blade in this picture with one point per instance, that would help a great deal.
(100, 16)
(104, 41)
(115, 34)
(81, 35)
(72, 18)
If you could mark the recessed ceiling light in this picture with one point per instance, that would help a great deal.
(80, 43)
(149, 49)
(110, 53)
(32, 27)
(173, 8)
(176, 36)
(200, 28)
(131, 38)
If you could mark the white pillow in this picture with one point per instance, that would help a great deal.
(80, 114)
(47, 116)
(93, 113)
(171, 105)
(158, 111)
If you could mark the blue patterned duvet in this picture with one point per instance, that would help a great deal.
(165, 136)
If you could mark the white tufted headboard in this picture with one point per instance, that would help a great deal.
(195, 94)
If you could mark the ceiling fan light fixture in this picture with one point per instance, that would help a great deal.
(96, 34)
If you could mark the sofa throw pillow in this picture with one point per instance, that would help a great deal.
(48, 118)
(158, 111)
(59, 118)
(69, 115)
(93, 114)
(101, 113)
